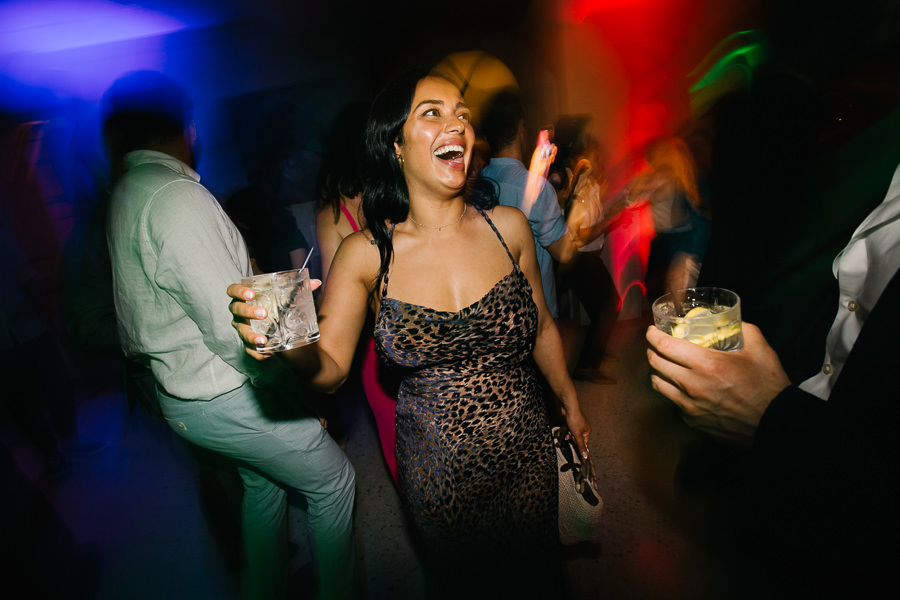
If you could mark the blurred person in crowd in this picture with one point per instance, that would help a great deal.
(39, 379)
(172, 246)
(503, 126)
(273, 240)
(823, 480)
(43, 553)
(88, 308)
(339, 214)
(675, 203)
(582, 200)
(460, 313)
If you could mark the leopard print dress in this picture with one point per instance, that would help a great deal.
(476, 463)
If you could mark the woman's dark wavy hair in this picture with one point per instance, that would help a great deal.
(385, 195)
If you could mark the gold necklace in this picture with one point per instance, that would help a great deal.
(458, 219)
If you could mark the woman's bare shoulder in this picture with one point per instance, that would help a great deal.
(360, 242)
(358, 251)
(511, 222)
(507, 215)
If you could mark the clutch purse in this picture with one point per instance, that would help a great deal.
(580, 504)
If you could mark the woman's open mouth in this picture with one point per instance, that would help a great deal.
(452, 153)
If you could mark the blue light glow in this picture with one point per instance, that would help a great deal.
(53, 25)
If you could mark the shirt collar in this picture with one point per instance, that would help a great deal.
(139, 157)
(498, 160)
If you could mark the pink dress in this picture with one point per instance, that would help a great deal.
(374, 381)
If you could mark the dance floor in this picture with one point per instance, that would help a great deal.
(131, 522)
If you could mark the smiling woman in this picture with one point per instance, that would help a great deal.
(460, 315)
(437, 140)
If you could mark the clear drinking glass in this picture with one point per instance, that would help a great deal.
(706, 316)
(287, 297)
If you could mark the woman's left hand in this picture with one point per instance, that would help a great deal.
(579, 428)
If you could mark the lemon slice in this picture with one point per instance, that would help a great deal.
(716, 338)
(709, 320)
(683, 330)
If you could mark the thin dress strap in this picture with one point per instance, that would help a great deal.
(499, 237)
(349, 218)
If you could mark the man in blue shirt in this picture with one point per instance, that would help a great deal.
(504, 129)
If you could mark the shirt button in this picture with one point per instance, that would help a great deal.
(828, 369)
(853, 306)
(180, 425)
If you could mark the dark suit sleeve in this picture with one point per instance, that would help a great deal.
(826, 474)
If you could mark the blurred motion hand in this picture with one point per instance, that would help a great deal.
(624, 219)
(244, 312)
(721, 393)
(644, 184)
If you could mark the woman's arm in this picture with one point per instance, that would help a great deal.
(341, 315)
(298, 257)
(548, 349)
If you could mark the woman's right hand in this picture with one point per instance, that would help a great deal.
(243, 312)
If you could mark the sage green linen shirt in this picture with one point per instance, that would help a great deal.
(174, 251)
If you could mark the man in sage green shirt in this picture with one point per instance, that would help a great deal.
(174, 252)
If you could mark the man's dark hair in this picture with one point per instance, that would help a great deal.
(500, 123)
(143, 109)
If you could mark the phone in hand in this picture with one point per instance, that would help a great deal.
(545, 142)
(544, 152)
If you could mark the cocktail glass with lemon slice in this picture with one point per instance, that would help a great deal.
(706, 316)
